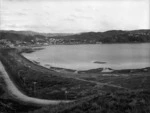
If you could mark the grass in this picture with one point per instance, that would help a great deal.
(11, 106)
(133, 81)
(118, 102)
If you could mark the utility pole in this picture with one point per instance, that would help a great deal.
(65, 91)
(34, 88)
(66, 94)
(21, 76)
(24, 79)
(20, 72)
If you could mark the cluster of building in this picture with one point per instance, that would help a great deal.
(6, 43)
(139, 34)
(43, 42)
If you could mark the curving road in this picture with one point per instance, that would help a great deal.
(16, 94)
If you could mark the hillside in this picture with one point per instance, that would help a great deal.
(33, 33)
(113, 36)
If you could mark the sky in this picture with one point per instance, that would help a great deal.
(73, 16)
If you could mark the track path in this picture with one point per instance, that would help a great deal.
(102, 84)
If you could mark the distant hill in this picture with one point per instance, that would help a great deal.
(113, 36)
(32, 33)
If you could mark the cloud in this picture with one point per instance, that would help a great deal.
(73, 16)
(80, 16)
(69, 19)
(79, 10)
(21, 14)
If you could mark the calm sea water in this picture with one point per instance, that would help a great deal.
(81, 57)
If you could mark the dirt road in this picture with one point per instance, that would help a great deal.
(18, 95)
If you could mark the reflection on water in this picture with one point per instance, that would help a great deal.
(82, 57)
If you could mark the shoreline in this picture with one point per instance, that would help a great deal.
(100, 70)
(91, 44)
(68, 70)
(93, 70)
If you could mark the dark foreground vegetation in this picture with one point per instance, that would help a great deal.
(8, 105)
(118, 102)
(11, 106)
